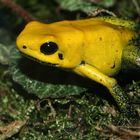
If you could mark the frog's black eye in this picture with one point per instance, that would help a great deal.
(48, 48)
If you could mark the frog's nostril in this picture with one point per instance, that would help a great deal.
(24, 47)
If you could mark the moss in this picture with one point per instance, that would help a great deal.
(83, 112)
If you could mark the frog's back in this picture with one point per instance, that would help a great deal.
(103, 43)
(99, 20)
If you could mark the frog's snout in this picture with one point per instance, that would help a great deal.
(22, 47)
(47, 48)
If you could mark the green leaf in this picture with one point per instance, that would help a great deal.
(107, 3)
(5, 46)
(41, 80)
(85, 5)
(4, 54)
(5, 37)
(74, 5)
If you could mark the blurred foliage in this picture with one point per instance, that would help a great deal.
(85, 6)
(30, 92)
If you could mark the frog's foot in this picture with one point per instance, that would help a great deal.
(130, 113)
(138, 62)
(127, 116)
(119, 96)
(127, 110)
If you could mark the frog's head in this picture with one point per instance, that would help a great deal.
(51, 43)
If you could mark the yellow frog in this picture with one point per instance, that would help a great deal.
(94, 48)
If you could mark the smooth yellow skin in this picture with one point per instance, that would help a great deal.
(91, 47)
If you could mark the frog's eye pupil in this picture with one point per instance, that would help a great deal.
(48, 48)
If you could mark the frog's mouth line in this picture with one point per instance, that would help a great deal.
(36, 60)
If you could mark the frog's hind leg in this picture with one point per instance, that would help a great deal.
(120, 97)
(131, 54)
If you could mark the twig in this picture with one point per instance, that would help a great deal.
(18, 9)
(11, 129)
(99, 11)
(130, 127)
(122, 131)
(53, 112)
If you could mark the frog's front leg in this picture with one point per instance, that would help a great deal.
(116, 91)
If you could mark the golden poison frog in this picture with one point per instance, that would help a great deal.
(94, 48)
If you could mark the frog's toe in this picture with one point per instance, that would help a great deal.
(138, 62)
(130, 114)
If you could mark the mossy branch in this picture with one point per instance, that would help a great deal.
(16, 8)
